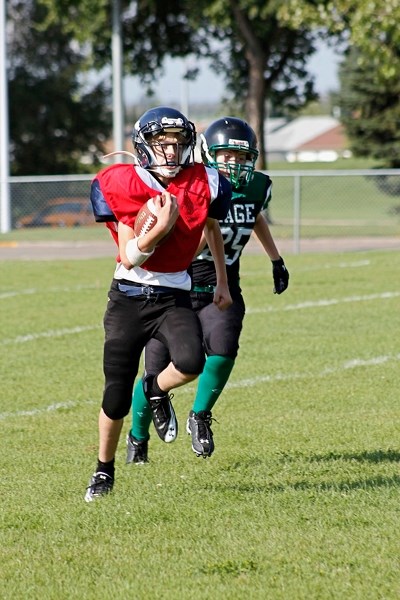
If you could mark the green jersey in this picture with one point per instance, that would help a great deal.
(247, 202)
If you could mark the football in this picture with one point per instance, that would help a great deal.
(145, 219)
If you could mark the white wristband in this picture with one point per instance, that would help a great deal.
(135, 256)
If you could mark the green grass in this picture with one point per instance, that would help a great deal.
(299, 501)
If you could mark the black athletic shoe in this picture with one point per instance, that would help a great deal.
(99, 485)
(136, 451)
(163, 413)
(199, 427)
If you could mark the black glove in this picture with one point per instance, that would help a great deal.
(280, 275)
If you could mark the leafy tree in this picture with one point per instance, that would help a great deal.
(264, 60)
(261, 59)
(370, 108)
(370, 74)
(54, 121)
(151, 30)
(351, 22)
(260, 47)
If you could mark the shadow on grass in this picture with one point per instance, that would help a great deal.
(369, 484)
(267, 484)
(347, 486)
(375, 456)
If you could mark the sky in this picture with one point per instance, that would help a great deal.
(208, 87)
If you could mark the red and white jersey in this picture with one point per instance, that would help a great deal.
(125, 188)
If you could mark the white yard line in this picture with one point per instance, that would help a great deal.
(354, 363)
(53, 333)
(350, 364)
(54, 290)
(324, 302)
(40, 411)
(31, 291)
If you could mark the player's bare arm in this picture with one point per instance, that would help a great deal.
(213, 236)
(202, 245)
(263, 233)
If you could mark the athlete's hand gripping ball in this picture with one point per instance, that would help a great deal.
(280, 275)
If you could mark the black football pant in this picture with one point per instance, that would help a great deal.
(221, 331)
(129, 323)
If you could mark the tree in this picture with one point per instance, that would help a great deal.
(261, 59)
(370, 74)
(54, 121)
(151, 31)
(351, 24)
(264, 60)
(370, 107)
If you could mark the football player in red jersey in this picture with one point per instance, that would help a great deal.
(149, 295)
(230, 145)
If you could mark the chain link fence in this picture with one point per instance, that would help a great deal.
(56, 201)
(336, 205)
(306, 205)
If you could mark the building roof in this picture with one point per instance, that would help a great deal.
(305, 132)
(334, 139)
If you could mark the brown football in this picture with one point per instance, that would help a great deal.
(145, 219)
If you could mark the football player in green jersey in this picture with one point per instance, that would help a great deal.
(230, 145)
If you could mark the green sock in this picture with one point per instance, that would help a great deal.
(212, 381)
(141, 414)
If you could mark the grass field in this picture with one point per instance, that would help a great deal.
(299, 501)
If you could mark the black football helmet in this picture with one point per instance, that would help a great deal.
(230, 133)
(163, 120)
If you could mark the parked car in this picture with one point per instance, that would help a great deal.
(60, 212)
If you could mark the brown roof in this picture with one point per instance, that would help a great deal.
(334, 139)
